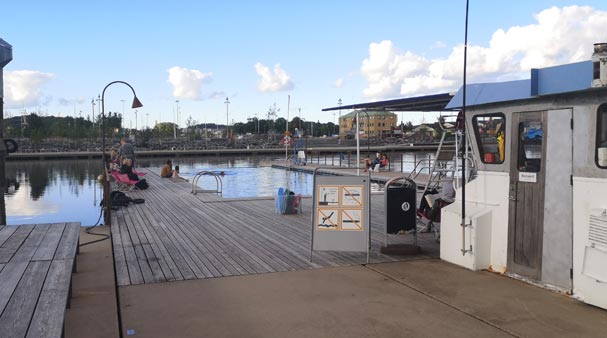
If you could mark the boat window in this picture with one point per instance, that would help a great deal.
(530, 139)
(491, 138)
(601, 137)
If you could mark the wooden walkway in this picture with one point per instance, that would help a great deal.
(36, 265)
(176, 235)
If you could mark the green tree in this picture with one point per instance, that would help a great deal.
(164, 129)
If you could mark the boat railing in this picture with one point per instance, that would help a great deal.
(218, 181)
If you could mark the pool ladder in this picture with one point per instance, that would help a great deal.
(218, 181)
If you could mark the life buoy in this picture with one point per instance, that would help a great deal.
(287, 140)
(11, 145)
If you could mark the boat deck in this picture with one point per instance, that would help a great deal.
(176, 235)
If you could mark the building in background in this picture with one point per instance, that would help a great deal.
(372, 123)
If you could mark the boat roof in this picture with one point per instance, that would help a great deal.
(435, 102)
(573, 77)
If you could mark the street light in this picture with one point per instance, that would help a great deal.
(106, 190)
(135, 116)
(227, 102)
(176, 120)
(339, 121)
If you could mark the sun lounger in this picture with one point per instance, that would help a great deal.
(123, 182)
(138, 173)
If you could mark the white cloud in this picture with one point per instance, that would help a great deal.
(216, 95)
(272, 81)
(559, 35)
(439, 45)
(339, 83)
(24, 87)
(187, 83)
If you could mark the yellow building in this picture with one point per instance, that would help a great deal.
(372, 123)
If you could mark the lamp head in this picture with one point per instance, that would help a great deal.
(136, 103)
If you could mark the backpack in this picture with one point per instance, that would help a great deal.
(142, 184)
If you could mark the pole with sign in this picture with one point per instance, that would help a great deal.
(341, 213)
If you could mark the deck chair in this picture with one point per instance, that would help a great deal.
(138, 173)
(123, 182)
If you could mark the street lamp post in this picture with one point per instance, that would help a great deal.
(135, 118)
(339, 121)
(106, 190)
(176, 117)
(227, 102)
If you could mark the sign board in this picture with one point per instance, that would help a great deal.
(341, 213)
(527, 177)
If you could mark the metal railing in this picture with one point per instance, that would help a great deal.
(218, 181)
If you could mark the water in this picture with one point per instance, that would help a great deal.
(67, 190)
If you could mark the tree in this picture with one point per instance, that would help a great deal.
(190, 123)
(164, 129)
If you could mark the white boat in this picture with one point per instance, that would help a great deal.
(537, 208)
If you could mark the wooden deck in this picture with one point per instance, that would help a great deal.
(176, 235)
(36, 264)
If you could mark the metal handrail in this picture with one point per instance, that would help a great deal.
(218, 181)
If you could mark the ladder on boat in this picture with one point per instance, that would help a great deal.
(446, 165)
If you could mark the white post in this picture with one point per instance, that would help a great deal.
(288, 109)
(357, 146)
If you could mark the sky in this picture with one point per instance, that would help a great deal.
(302, 56)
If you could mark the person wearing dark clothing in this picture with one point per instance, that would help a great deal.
(127, 169)
(127, 151)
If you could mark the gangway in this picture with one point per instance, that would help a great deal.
(218, 180)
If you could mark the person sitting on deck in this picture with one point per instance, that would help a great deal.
(176, 173)
(431, 203)
(381, 160)
(167, 170)
(127, 168)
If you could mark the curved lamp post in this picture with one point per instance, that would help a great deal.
(106, 191)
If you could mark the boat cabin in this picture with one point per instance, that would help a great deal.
(536, 206)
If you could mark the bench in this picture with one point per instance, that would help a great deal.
(36, 265)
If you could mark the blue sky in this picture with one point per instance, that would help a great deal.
(258, 53)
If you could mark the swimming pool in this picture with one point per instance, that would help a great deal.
(242, 182)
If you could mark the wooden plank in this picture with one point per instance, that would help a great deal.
(206, 256)
(167, 266)
(5, 233)
(135, 275)
(17, 315)
(48, 247)
(9, 278)
(153, 271)
(197, 261)
(48, 318)
(223, 253)
(140, 255)
(31, 244)
(122, 271)
(12, 244)
(69, 241)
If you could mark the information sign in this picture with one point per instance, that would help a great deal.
(341, 213)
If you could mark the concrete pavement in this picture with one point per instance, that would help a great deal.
(423, 298)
